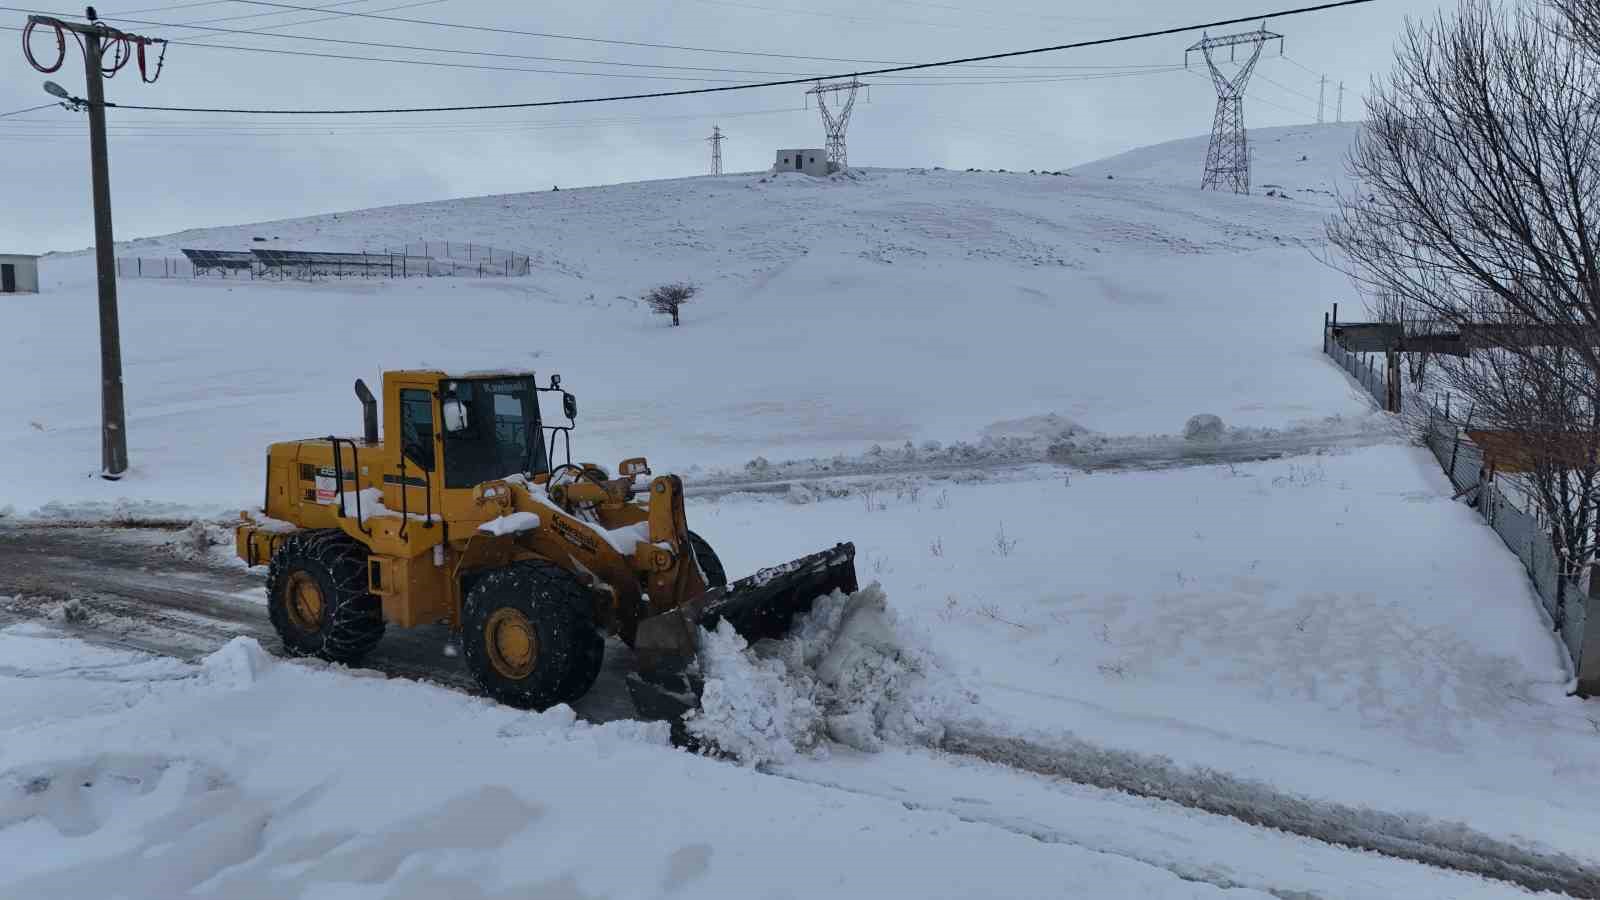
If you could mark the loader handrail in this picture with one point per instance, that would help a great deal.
(405, 498)
(565, 430)
(338, 476)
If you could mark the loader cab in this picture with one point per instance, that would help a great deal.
(446, 435)
(490, 428)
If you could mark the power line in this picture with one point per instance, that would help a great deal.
(561, 59)
(1294, 62)
(440, 64)
(566, 37)
(331, 7)
(1254, 98)
(18, 112)
(750, 86)
(848, 17)
(234, 129)
(1307, 97)
(129, 12)
(449, 50)
(1079, 20)
(200, 25)
(412, 47)
(47, 128)
(1050, 79)
(975, 77)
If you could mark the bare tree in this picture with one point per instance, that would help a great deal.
(1479, 207)
(1582, 18)
(666, 298)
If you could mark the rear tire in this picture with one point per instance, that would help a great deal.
(710, 564)
(317, 597)
(528, 636)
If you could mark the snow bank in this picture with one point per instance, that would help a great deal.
(125, 775)
(237, 665)
(850, 672)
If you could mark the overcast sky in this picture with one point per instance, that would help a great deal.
(172, 171)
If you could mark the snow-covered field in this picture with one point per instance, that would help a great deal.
(1331, 624)
(1327, 636)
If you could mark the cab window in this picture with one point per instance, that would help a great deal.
(416, 427)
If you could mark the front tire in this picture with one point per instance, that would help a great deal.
(317, 597)
(710, 564)
(528, 636)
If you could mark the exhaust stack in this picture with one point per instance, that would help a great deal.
(369, 413)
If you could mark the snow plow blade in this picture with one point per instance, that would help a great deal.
(667, 682)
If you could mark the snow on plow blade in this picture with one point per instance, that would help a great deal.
(667, 681)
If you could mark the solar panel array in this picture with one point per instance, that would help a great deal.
(308, 263)
(221, 260)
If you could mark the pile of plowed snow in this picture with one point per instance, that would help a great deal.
(850, 671)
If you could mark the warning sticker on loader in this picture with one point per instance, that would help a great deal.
(327, 486)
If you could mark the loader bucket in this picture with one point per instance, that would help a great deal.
(667, 681)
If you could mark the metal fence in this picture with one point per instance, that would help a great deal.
(155, 267)
(359, 265)
(1524, 532)
(469, 253)
(1362, 367)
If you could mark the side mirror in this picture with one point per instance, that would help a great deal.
(455, 415)
(630, 468)
(569, 405)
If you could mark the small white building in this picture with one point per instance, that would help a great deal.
(19, 273)
(804, 161)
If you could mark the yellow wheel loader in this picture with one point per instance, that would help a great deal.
(459, 515)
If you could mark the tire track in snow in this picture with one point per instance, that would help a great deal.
(1046, 835)
(1444, 845)
(1141, 454)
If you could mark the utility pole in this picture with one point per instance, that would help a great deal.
(97, 40)
(1228, 156)
(1322, 93)
(1338, 116)
(835, 122)
(716, 139)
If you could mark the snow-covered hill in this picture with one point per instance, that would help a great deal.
(1306, 162)
(887, 307)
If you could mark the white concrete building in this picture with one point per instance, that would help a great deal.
(805, 161)
(19, 273)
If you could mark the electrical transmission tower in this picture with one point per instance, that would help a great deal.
(1322, 94)
(835, 121)
(1228, 157)
(1338, 116)
(716, 139)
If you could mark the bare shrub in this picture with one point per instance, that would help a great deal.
(991, 612)
(1002, 544)
(665, 299)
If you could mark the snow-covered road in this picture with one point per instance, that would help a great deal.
(1241, 852)
(162, 592)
